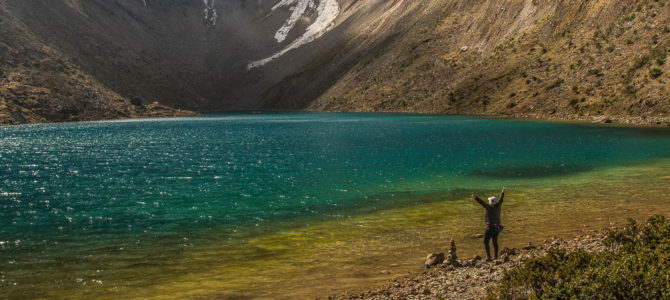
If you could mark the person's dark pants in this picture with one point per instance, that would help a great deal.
(491, 233)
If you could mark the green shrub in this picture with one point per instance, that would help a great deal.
(555, 84)
(595, 72)
(629, 18)
(640, 62)
(655, 72)
(637, 267)
(589, 90)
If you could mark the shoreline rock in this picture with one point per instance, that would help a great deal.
(158, 110)
(125, 111)
(600, 119)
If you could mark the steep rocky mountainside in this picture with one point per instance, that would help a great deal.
(84, 59)
(205, 55)
(39, 84)
(561, 59)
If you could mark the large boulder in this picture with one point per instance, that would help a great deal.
(434, 259)
(134, 100)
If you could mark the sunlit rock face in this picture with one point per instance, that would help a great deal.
(196, 54)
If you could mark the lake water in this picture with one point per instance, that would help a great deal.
(296, 205)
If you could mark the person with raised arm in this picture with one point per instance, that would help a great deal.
(493, 227)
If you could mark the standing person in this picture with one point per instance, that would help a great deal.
(493, 227)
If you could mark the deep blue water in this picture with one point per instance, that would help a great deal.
(166, 175)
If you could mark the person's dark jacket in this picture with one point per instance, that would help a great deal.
(492, 211)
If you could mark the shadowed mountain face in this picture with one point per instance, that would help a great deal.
(195, 54)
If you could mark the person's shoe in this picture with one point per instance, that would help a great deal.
(488, 259)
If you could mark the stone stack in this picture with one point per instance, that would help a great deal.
(452, 258)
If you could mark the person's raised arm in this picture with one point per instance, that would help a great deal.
(479, 200)
(502, 194)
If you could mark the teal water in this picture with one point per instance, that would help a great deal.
(87, 204)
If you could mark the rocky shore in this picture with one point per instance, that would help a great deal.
(469, 279)
(116, 111)
(638, 121)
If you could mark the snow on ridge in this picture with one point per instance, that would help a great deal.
(298, 10)
(210, 12)
(327, 11)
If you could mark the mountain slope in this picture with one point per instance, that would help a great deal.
(39, 84)
(539, 58)
(186, 53)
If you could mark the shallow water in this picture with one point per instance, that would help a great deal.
(296, 205)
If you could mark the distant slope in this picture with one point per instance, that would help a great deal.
(189, 54)
(531, 58)
(39, 84)
(207, 55)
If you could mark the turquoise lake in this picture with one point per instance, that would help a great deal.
(227, 205)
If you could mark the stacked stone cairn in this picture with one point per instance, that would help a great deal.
(434, 259)
(452, 258)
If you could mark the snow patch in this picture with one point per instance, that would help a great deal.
(298, 9)
(327, 12)
(210, 13)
